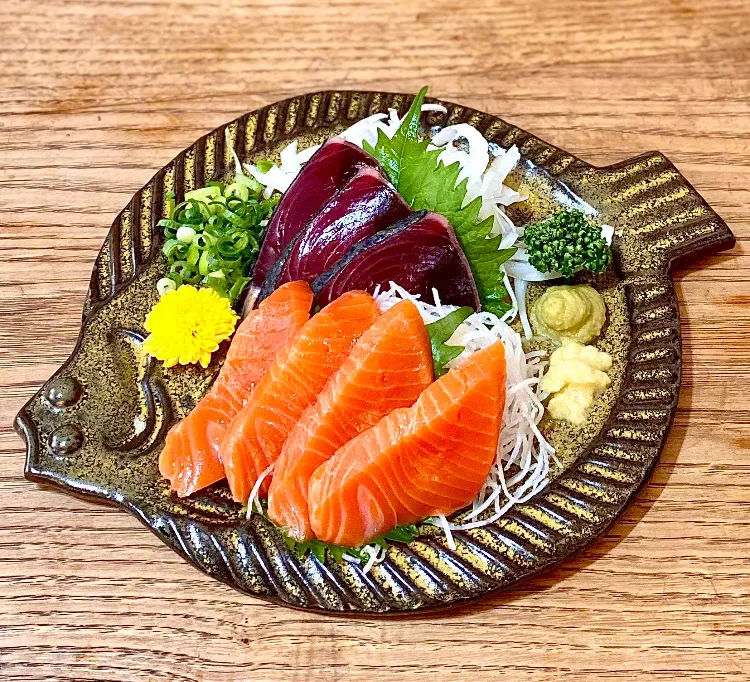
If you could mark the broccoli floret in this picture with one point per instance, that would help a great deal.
(567, 243)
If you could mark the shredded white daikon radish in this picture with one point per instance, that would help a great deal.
(253, 499)
(365, 130)
(376, 554)
(237, 164)
(434, 107)
(520, 287)
(446, 528)
(473, 162)
(522, 466)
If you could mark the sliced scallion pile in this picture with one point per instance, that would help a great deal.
(213, 237)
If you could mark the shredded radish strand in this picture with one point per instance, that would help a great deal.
(446, 527)
(253, 499)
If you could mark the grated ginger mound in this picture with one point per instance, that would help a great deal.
(576, 374)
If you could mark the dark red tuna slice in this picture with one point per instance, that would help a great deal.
(326, 172)
(418, 253)
(364, 206)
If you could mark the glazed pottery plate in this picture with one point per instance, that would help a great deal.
(96, 427)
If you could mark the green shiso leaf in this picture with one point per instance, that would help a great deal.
(427, 184)
(395, 154)
(439, 332)
(320, 549)
(402, 534)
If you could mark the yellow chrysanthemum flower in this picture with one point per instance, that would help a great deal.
(187, 325)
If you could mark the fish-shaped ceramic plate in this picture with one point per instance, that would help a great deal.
(96, 427)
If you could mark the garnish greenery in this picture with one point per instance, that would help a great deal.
(213, 237)
(319, 549)
(426, 183)
(439, 332)
(567, 243)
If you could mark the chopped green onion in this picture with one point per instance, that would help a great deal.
(174, 249)
(205, 194)
(203, 263)
(185, 233)
(213, 237)
(237, 287)
(164, 285)
(202, 241)
(253, 186)
(193, 254)
(238, 190)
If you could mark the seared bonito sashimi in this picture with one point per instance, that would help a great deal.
(419, 253)
(327, 172)
(364, 206)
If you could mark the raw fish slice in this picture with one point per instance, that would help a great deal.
(429, 459)
(365, 205)
(419, 253)
(296, 376)
(190, 458)
(388, 368)
(325, 173)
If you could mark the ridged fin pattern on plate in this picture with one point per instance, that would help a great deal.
(653, 207)
(658, 217)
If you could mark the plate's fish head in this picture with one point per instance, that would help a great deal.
(100, 411)
(97, 425)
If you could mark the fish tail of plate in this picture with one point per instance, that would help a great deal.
(658, 216)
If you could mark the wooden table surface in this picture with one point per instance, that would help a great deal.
(96, 95)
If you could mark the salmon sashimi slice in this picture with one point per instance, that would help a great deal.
(297, 375)
(426, 460)
(388, 368)
(190, 458)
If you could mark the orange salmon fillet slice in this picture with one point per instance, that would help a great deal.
(429, 459)
(190, 458)
(388, 368)
(297, 375)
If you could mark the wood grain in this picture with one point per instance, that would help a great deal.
(96, 95)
